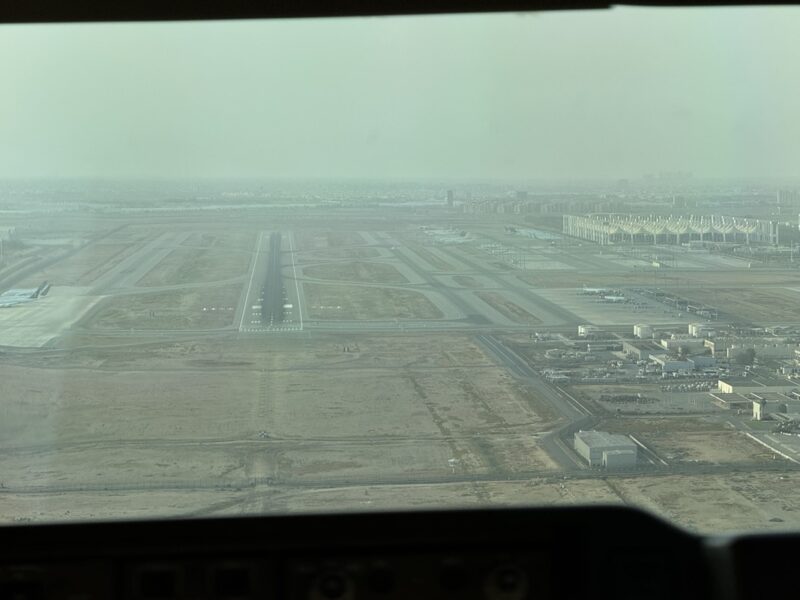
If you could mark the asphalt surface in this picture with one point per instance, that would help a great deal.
(468, 311)
(272, 292)
(510, 286)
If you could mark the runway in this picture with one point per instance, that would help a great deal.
(272, 291)
(272, 301)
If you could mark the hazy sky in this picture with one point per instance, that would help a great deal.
(581, 94)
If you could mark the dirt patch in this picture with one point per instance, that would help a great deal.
(507, 308)
(209, 308)
(708, 447)
(363, 272)
(189, 265)
(517, 453)
(660, 425)
(720, 503)
(325, 301)
(691, 440)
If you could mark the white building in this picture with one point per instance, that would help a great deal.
(771, 406)
(756, 385)
(618, 228)
(687, 344)
(587, 330)
(669, 364)
(602, 449)
(773, 351)
(619, 459)
(760, 409)
(701, 330)
(643, 331)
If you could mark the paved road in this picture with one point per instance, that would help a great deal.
(574, 413)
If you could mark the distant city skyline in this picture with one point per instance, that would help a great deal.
(583, 95)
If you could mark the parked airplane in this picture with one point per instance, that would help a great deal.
(17, 296)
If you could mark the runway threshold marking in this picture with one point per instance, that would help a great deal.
(252, 276)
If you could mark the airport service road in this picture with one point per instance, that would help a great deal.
(566, 405)
(577, 415)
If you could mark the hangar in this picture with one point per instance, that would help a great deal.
(603, 449)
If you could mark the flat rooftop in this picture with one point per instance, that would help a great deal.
(603, 438)
(643, 345)
(620, 452)
(762, 380)
(772, 397)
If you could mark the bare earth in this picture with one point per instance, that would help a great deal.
(336, 301)
(205, 308)
(124, 401)
(362, 272)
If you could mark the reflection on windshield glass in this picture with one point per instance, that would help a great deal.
(355, 264)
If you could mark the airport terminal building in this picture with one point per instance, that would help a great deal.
(616, 228)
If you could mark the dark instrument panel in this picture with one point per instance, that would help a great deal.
(600, 552)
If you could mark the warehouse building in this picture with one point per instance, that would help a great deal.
(677, 344)
(769, 351)
(701, 330)
(640, 350)
(771, 347)
(737, 402)
(757, 385)
(608, 450)
(671, 364)
(585, 331)
(771, 405)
